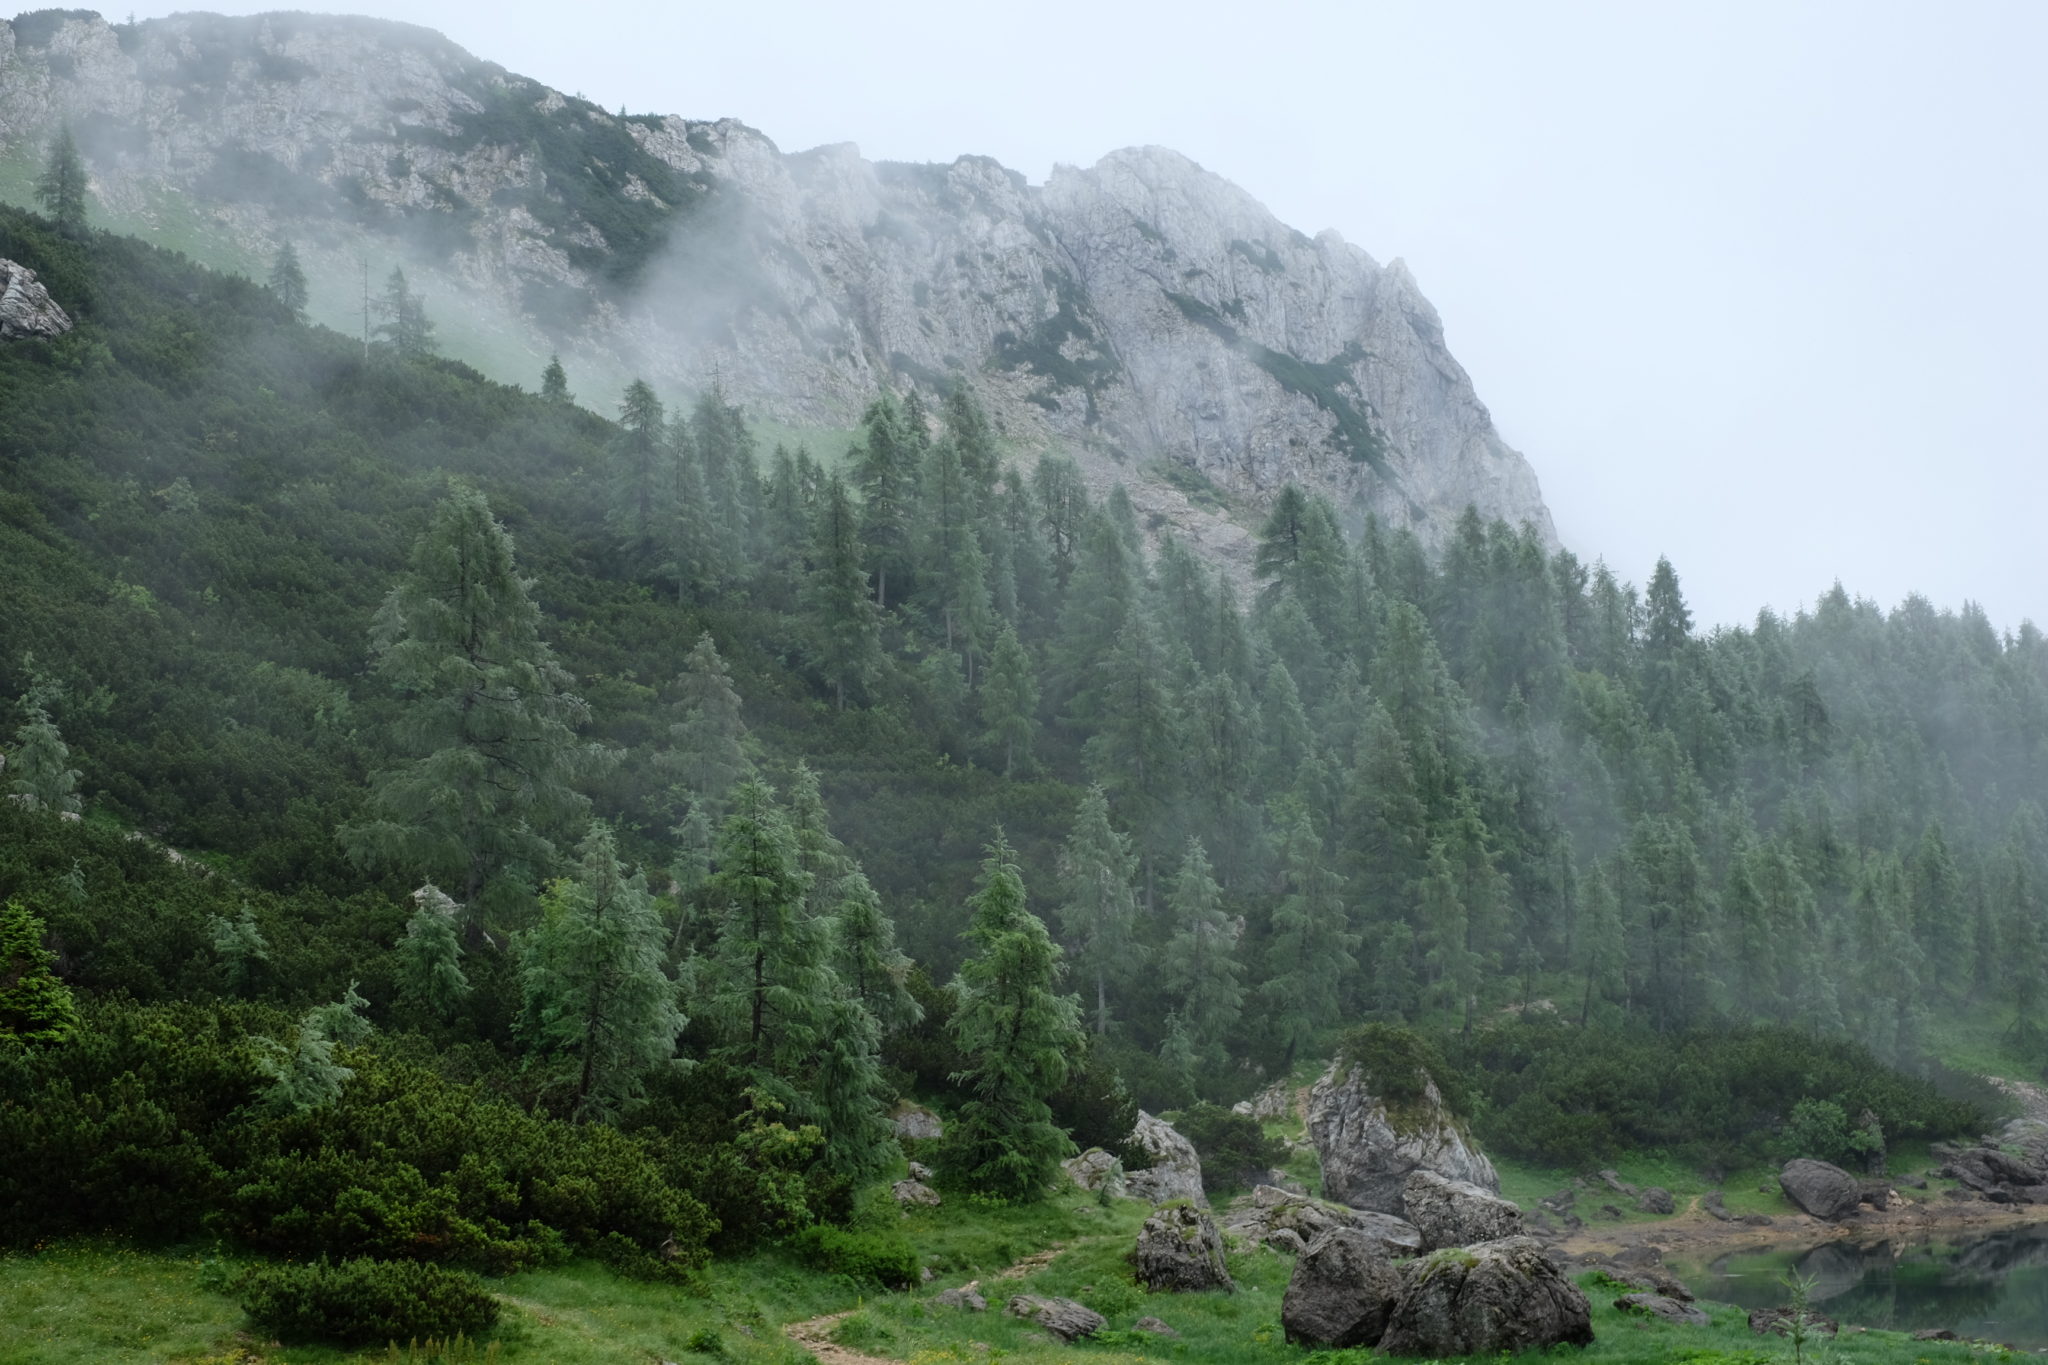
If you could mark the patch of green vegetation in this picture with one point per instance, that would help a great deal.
(1191, 481)
(1044, 354)
(1328, 384)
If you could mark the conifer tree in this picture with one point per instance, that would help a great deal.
(554, 382)
(304, 1076)
(1009, 704)
(288, 280)
(1136, 743)
(1310, 952)
(841, 613)
(1063, 511)
(884, 465)
(488, 726)
(637, 513)
(60, 189)
(406, 324)
(1016, 1034)
(769, 982)
(35, 1006)
(1199, 967)
(595, 1001)
(865, 956)
(820, 856)
(708, 740)
(243, 950)
(846, 1093)
(1599, 955)
(1100, 912)
(725, 453)
(39, 772)
(430, 955)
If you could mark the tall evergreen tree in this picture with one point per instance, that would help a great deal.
(883, 464)
(288, 280)
(554, 382)
(60, 189)
(35, 1006)
(1009, 704)
(769, 981)
(406, 325)
(430, 955)
(637, 513)
(708, 737)
(841, 613)
(1310, 951)
(39, 772)
(865, 956)
(1199, 967)
(1100, 912)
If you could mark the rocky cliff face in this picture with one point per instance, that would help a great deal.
(1143, 313)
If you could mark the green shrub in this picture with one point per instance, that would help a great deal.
(363, 1302)
(1399, 1064)
(883, 1258)
(1231, 1145)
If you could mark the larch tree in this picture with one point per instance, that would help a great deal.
(60, 189)
(708, 742)
(1015, 1032)
(406, 325)
(1199, 966)
(841, 614)
(883, 464)
(820, 855)
(1009, 703)
(487, 725)
(865, 956)
(288, 280)
(39, 772)
(595, 1001)
(768, 977)
(430, 971)
(638, 513)
(1309, 954)
(1100, 911)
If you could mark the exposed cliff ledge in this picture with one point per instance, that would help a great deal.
(1142, 312)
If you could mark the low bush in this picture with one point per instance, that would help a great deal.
(1232, 1146)
(364, 1302)
(883, 1258)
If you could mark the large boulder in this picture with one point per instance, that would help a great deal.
(915, 1193)
(1276, 1101)
(1176, 1169)
(26, 308)
(1273, 1216)
(1179, 1251)
(1094, 1169)
(916, 1122)
(1063, 1318)
(1456, 1213)
(1342, 1293)
(1824, 1191)
(1503, 1296)
(1658, 1306)
(1367, 1152)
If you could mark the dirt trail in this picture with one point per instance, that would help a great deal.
(815, 1334)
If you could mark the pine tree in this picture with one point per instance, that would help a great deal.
(638, 514)
(35, 1006)
(865, 956)
(406, 324)
(769, 982)
(39, 772)
(1599, 955)
(288, 280)
(1016, 1034)
(594, 999)
(820, 856)
(1199, 967)
(1100, 912)
(60, 189)
(708, 740)
(1009, 704)
(840, 611)
(430, 971)
(846, 1093)
(883, 464)
(488, 723)
(1310, 951)
(554, 383)
(243, 950)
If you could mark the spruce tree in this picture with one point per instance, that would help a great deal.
(865, 956)
(883, 464)
(288, 280)
(60, 189)
(406, 324)
(840, 612)
(595, 1002)
(1199, 967)
(1309, 954)
(39, 772)
(1009, 704)
(638, 510)
(430, 971)
(708, 740)
(487, 726)
(1015, 1033)
(35, 1006)
(768, 978)
(1100, 912)
(554, 382)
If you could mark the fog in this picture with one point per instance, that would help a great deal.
(1753, 289)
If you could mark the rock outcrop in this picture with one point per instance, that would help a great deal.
(1368, 1153)
(1179, 1251)
(1062, 1318)
(1826, 1192)
(1455, 1213)
(1658, 1306)
(1095, 1169)
(26, 308)
(1176, 1169)
(1503, 1296)
(1295, 1221)
(2009, 1167)
(1142, 312)
(914, 1194)
(917, 1123)
(1342, 1293)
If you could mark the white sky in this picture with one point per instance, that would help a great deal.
(1757, 286)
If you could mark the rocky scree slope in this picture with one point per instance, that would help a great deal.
(1143, 313)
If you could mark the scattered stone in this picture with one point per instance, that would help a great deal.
(1778, 1322)
(1610, 1211)
(1179, 1251)
(1935, 1334)
(926, 1275)
(920, 1171)
(917, 1122)
(1825, 1192)
(1562, 1201)
(1176, 1169)
(1367, 1154)
(1452, 1213)
(1061, 1318)
(1641, 1254)
(1503, 1296)
(1657, 1306)
(1094, 1169)
(1154, 1327)
(1876, 1193)
(1613, 1181)
(967, 1298)
(1342, 1293)
(26, 308)
(1268, 1210)
(1286, 1240)
(1276, 1101)
(914, 1194)
(1757, 1220)
(1657, 1200)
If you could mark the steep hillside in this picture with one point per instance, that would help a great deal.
(1144, 313)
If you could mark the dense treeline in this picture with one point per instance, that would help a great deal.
(740, 750)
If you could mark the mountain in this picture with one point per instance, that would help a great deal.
(1143, 313)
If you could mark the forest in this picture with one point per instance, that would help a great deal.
(459, 828)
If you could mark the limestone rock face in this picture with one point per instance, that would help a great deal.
(1824, 1191)
(1179, 1251)
(1342, 1292)
(26, 308)
(1367, 1155)
(1176, 1169)
(1142, 312)
(1494, 1297)
(1455, 1213)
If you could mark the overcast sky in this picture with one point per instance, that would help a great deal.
(1756, 286)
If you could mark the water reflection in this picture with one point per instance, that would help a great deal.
(1993, 1285)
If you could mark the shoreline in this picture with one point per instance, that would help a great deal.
(1694, 1234)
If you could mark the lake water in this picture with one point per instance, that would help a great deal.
(1990, 1285)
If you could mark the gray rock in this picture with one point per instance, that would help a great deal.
(1613, 1181)
(1176, 1169)
(1451, 1213)
(1061, 1318)
(1711, 1201)
(1286, 1240)
(967, 1298)
(1095, 1168)
(1269, 1210)
(920, 1171)
(1657, 1200)
(1497, 1296)
(1826, 1192)
(1367, 1155)
(914, 1194)
(26, 308)
(1275, 1102)
(1651, 1279)
(1180, 1251)
(1154, 1327)
(917, 1122)
(1342, 1292)
(1657, 1306)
